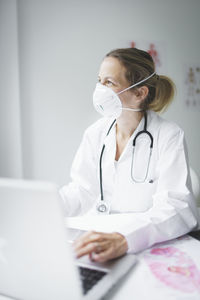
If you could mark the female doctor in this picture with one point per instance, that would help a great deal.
(131, 161)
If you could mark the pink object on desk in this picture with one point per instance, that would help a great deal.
(174, 268)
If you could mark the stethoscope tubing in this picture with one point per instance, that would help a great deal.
(144, 131)
(100, 162)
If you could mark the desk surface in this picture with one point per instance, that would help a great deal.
(167, 271)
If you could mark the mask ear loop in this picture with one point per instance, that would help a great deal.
(135, 84)
(132, 109)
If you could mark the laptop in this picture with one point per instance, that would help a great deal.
(36, 260)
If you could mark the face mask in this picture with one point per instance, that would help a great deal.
(107, 102)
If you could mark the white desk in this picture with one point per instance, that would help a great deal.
(140, 283)
(144, 284)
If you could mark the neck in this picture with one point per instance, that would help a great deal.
(127, 123)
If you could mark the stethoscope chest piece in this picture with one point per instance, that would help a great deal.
(102, 207)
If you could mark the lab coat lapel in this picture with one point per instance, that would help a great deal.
(110, 147)
(109, 159)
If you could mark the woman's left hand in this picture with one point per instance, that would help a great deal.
(101, 246)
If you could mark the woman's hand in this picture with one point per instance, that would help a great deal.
(101, 246)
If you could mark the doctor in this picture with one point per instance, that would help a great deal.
(131, 161)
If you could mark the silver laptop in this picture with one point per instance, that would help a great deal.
(36, 260)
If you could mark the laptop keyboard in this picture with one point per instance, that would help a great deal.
(89, 278)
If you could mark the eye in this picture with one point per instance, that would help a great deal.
(109, 83)
(106, 82)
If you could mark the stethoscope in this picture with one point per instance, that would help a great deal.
(102, 206)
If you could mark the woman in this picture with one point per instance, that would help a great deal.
(115, 173)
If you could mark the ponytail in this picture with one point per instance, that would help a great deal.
(165, 90)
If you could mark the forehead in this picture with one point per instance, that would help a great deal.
(112, 67)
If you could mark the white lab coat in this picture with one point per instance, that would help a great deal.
(163, 208)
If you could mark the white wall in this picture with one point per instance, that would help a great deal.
(10, 134)
(61, 44)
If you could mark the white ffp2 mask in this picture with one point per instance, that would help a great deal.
(107, 102)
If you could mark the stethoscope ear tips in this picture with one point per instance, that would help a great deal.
(151, 181)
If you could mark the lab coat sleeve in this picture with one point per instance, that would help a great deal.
(173, 212)
(80, 194)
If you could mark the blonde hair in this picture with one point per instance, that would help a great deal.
(139, 65)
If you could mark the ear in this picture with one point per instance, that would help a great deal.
(142, 92)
